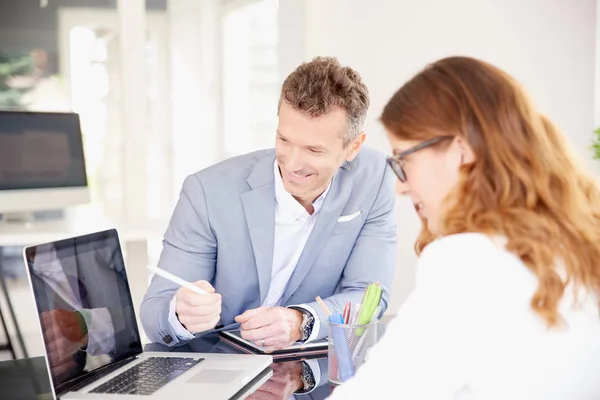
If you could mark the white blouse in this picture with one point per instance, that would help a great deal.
(468, 332)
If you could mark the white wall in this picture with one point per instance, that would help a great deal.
(549, 45)
(194, 45)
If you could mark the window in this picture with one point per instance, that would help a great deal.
(250, 76)
(78, 68)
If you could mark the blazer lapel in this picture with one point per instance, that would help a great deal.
(259, 207)
(69, 261)
(326, 220)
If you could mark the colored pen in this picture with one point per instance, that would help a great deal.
(356, 312)
(370, 302)
(376, 314)
(359, 349)
(323, 306)
(347, 312)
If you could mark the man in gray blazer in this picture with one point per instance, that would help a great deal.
(267, 232)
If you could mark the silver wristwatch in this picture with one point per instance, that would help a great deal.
(307, 324)
(308, 380)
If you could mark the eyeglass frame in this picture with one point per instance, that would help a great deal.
(394, 161)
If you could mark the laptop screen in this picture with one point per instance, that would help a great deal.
(84, 305)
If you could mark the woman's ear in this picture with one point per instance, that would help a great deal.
(466, 152)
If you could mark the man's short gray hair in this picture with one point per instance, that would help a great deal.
(319, 86)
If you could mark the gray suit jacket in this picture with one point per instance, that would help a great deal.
(222, 231)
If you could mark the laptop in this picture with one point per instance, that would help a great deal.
(91, 341)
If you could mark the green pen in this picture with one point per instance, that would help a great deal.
(371, 300)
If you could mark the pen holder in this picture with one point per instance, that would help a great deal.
(348, 346)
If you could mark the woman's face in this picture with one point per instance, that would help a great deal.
(431, 173)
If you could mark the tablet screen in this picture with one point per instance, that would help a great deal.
(312, 346)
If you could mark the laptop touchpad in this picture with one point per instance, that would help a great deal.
(218, 376)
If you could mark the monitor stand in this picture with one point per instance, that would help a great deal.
(18, 218)
(22, 218)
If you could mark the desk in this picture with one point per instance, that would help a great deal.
(12, 234)
(25, 379)
(28, 378)
(82, 220)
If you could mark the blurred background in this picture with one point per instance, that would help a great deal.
(165, 88)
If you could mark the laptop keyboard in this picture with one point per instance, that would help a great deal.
(148, 376)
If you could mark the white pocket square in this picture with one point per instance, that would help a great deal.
(350, 217)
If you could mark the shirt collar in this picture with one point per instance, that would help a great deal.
(288, 203)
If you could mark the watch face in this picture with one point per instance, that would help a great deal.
(304, 327)
(307, 377)
(307, 326)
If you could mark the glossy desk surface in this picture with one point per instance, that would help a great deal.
(28, 379)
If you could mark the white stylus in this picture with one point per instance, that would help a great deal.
(175, 279)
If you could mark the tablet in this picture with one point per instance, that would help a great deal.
(316, 347)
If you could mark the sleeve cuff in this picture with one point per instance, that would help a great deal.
(317, 324)
(179, 330)
(101, 332)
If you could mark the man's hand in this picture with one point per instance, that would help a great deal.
(197, 312)
(64, 335)
(271, 327)
(286, 380)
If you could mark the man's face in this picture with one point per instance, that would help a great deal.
(311, 150)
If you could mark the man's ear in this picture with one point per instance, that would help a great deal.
(354, 146)
(468, 156)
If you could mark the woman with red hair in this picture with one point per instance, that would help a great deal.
(508, 276)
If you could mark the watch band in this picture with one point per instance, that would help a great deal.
(306, 327)
(308, 379)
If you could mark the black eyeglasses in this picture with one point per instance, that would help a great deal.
(395, 161)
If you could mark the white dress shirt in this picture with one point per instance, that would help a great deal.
(293, 225)
(468, 332)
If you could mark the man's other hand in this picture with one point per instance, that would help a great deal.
(64, 335)
(271, 327)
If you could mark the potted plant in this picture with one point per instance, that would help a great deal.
(596, 144)
(15, 78)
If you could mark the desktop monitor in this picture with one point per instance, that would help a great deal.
(42, 166)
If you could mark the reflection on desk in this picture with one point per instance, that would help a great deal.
(28, 378)
(24, 379)
(279, 387)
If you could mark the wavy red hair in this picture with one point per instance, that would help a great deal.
(524, 184)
